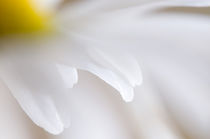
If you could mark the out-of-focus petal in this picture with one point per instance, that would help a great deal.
(39, 89)
(115, 67)
(184, 87)
(83, 9)
(193, 3)
(69, 75)
(45, 5)
(96, 112)
(150, 113)
(121, 73)
(158, 36)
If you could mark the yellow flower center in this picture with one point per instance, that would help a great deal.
(20, 16)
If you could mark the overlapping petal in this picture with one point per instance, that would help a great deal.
(115, 67)
(40, 85)
(39, 88)
(164, 34)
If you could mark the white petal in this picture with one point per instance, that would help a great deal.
(185, 87)
(45, 5)
(84, 9)
(69, 75)
(150, 113)
(96, 113)
(125, 89)
(119, 62)
(122, 73)
(39, 89)
(193, 3)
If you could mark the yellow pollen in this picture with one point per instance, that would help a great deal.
(20, 16)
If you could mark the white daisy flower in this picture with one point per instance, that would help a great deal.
(40, 59)
(44, 43)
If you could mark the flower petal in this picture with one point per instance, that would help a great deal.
(193, 3)
(46, 5)
(39, 89)
(122, 73)
(113, 79)
(87, 8)
(69, 75)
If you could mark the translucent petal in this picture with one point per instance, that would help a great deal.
(39, 89)
(69, 75)
(122, 73)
